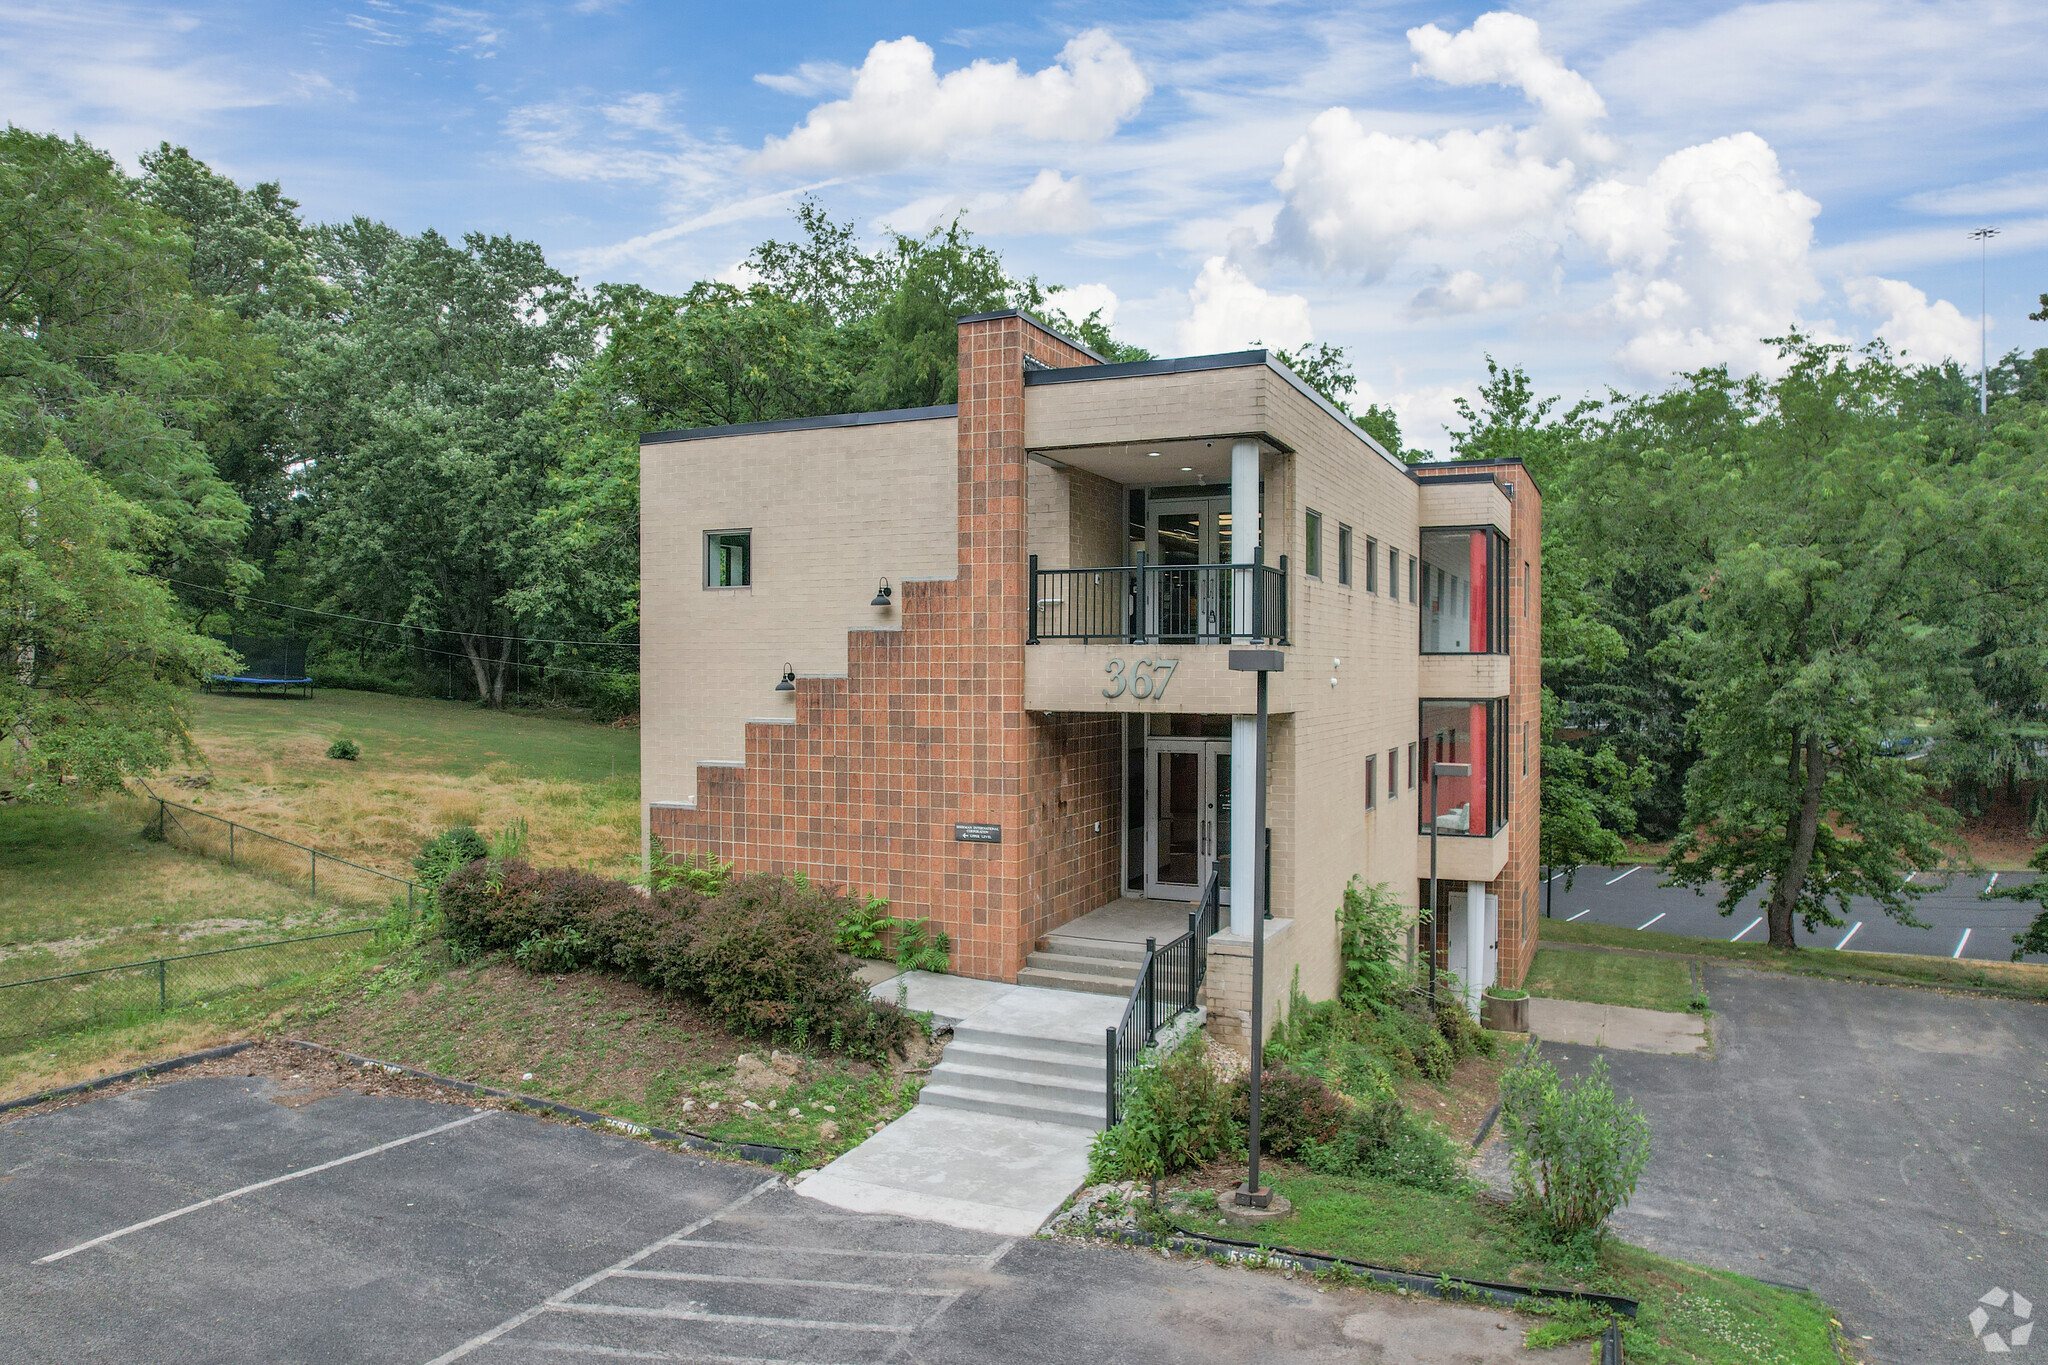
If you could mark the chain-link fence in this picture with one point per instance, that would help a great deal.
(45, 1005)
(308, 869)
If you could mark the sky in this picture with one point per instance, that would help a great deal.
(1606, 193)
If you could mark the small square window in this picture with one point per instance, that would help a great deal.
(1411, 579)
(1312, 546)
(728, 559)
(1372, 791)
(1393, 773)
(1343, 554)
(1372, 565)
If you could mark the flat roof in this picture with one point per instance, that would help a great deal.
(834, 419)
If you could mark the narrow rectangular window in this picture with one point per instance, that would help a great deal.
(1411, 579)
(1343, 554)
(728, 559)
(1525, 587)
(1525, 748)
(1372, 565)
(1312, 546)
(1411, 767)
(1393, 573)
(1372, 791)
(1393, 773)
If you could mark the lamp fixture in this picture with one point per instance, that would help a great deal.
(881, 595)
(788, 683)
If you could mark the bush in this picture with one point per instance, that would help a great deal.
(1296, 1110)
(456, 846)
(1578, 1146)
(345, 749)
(1173, 1114)
(1371, 928)
(614, 696)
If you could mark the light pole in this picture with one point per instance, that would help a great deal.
(1261, 662)
(1982, 237)
(1437, 770)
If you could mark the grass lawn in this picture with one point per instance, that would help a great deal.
(1651, 983)
(425, 765)
(1689, 1314)
(2021, 980)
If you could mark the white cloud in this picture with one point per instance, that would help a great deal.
(1051, 203)
(1711, 253)
(1466, 291)
(1230, 312)
(632, 138)
(811, 79)
(1928, 333)
(1503, 49)
(1077, 301)
(1356, 199)
(901, 111)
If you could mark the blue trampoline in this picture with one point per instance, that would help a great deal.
(266, 663)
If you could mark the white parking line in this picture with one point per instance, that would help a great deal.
(1652, 920)
(1961, 943)
(251, 1189)
(522, 1318)
(615, 1310)
(784, 1282)
(1552, 877)
(579, 1348)
(1851, 934)
(1587, 911)
(1746, 928)
(1630, 873)
(1993, 882)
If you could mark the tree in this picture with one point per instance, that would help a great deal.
(430, 446)
(2034, 938)
(99, 660)
(1326, 368)
(1845, 565)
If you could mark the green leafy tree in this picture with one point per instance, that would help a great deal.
(2034, 938)
(1326, 368)
(1845, 565)
(98, 658)
(431, 445)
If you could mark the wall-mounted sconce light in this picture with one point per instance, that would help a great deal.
(788, 683)
(881, 595)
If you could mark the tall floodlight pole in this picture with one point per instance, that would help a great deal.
(1982, 237)
(1259, 661)
(1437, 770)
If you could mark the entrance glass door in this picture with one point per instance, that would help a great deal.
(1187, 816)
(1184, 533)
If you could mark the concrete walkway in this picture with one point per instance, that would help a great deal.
(970, 1153)
(1622, 1026)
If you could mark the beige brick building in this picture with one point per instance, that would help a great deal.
(1036, 725)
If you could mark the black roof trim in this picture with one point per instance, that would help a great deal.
(829, 420)
(1035, 321)
(1512, 461)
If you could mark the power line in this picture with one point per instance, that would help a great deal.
(496, 663)
(399, 625)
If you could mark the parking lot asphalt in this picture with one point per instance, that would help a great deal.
(1886, 1147)
(228, 1219)
(1960, 922)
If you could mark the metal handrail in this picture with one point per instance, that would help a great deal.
(1143, 603)
(1170, 980)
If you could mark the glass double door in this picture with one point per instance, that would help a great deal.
(1185, 603)
(1187, 817)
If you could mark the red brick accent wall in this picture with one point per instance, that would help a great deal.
(1520, 883)
(928, 728)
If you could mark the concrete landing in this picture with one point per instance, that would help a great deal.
(954, 1166)
(948, 999)
(1619, 1026)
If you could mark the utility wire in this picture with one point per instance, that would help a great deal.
(494, 663)
(398, 625)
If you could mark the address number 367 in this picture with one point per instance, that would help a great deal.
(1142, 678)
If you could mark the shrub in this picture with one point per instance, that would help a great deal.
(921, 948)
(700, 872)
(1460, 1029)
(864, 927)
(1173, 1114)
(1578, 1146)
(345, 749)
(1295, 1110)
(1371, 927)
(454, 847)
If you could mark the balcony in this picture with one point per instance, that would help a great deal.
(1161, 604)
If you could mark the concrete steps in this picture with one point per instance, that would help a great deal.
(1019, 1075)
(1098, 966)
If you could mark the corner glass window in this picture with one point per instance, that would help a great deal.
(728, 559)
(1464, 591)
(1312, 546)
(1474, 732)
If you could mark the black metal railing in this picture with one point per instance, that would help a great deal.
(1169, 984)
(1143, 602)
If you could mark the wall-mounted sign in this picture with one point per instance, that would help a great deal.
(978, 834)
(1142, 678)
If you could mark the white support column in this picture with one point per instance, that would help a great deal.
(1244, 730)
(1472, 961)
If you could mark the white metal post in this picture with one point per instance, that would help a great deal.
(1245, 839)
